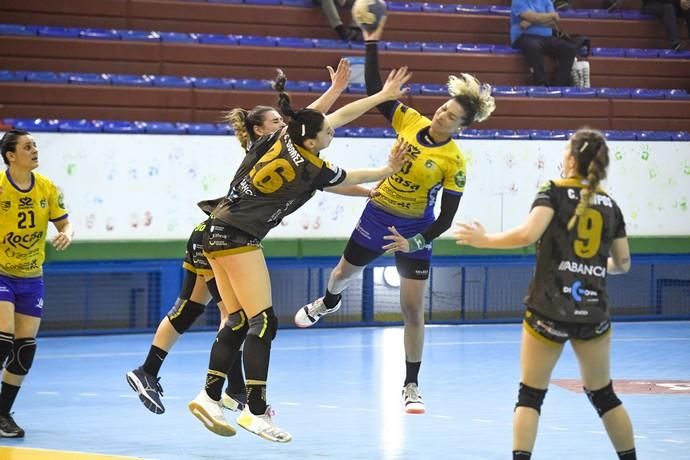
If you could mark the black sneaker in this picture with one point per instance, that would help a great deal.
(148, 388)
(9, 428)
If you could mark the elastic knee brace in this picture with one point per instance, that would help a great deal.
(530, 397)
(183, 314)
(603, 399)
(264, 325)
(213, 289)
(6, 344)
(22, 356)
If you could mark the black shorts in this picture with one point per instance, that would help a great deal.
(559, 331)
(220, 239)
(194, 259)
(408, 267)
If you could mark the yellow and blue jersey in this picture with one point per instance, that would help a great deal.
(412, 191)
(24, 216)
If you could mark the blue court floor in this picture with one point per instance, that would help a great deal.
(337, 391)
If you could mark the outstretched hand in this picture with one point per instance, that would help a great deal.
(392, 88)
(472, 234)
(398, 155)
(341, 76)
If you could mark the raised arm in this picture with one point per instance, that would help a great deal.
(339, 80)
(523, 235)
(396, 158)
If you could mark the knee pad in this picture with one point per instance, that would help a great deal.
(237, 322)
(530, 397)
(234, 331)
(22, 356)
(603, 399)
(6, 344)
(213, 289)
(264, 325)
(183, 314)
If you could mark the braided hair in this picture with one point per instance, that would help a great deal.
(303, 124)
(473, 96)
(243, 122)
(591, 154)
(8, 143)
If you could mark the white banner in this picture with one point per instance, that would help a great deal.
(140, 187)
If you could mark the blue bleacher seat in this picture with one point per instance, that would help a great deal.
(416, 88)
(179, 37)
(635, 14)
(604, 14)
(581, 14)
(8, 75)
(654, 136)
(215, 83)
(251, 40)
(130, 80)
(641, 93)
(434, 90)
(79, 126)
(613, 93)
(306, 3)
(357, 88)
(328, 43)
(511, 134)
(36, 124)
(262, 2)
(294, 42)
(437, 47)
(543, 91)
(472, 9)
(46, 77)
(225, 1)
(139, 35)
(224, 128)
(681, 136)
(342, 131)
(403, 46)
(17, 29)
(164, 127)
(676, 94)
(547, 135)
(319, 86)
(216, 39)
(508, 91)
(297, 86)
(60, 32)
(641, 53)
(362, 132)
(476, 134)
(575, 91)
(389, 132)
(613, 135)
(473, 48)
(89, 78)
(608, 52)
(127, 127)
(670, 54)
(438, 8)
(408, 7)
(172, 81)
(100, 34)
(249, 84)
(504, 49)
(500, 9)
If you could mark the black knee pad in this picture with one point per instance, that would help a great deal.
(183, 314)
(213, 289)
(237, 322)
(603, 399)
(6, 344)
(264, 325)
(22, 356)
(530, 397)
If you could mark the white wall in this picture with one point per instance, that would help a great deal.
(146, 186)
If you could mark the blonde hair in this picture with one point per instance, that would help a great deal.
(243, 122)
(588, 147)
(474, 97)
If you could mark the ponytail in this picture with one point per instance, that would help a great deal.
(243, 123)
(592, 158)
(303, 124)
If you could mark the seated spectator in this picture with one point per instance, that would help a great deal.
(669, 11)
(330, 10)
(531, 30)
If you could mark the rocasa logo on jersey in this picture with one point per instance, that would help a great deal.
(26, 202)
(22, 241)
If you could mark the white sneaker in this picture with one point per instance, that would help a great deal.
(412, 400)
(210, 413)
(235, 403)
(262, 425)
(309, 314)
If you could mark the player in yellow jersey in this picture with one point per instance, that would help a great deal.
(401, 218)
(28, 201)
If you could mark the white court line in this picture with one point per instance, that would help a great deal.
(448, 417)
(595, 432)
(127, 396)
(365, 409)
(639, 436)
(556, 428)
(334, 347)
(483, 420)
(673, 441)
(289, 403)
(323, 406)
(88, 395)
(48, 393)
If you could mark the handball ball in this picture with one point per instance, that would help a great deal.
(368, 13)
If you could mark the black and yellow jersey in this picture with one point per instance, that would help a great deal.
(275, 178)
(412, 191)
(24, 216)
(569, 282)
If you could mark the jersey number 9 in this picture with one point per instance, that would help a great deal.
(589, 227)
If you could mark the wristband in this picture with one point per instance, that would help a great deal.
(417, 242)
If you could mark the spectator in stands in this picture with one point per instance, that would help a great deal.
(28, 201)
(279, 174)
(401, 218)
(198, 285)
(330, 10)
(532, 23)
(580, 235)
(669, 11)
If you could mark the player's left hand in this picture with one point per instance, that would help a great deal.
(61, 241)
(399, 242)
(341, 76)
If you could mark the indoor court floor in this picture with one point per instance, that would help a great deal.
(337, 390)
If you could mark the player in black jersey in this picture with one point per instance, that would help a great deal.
(199, 285)
(580, 235)
(279, 174)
